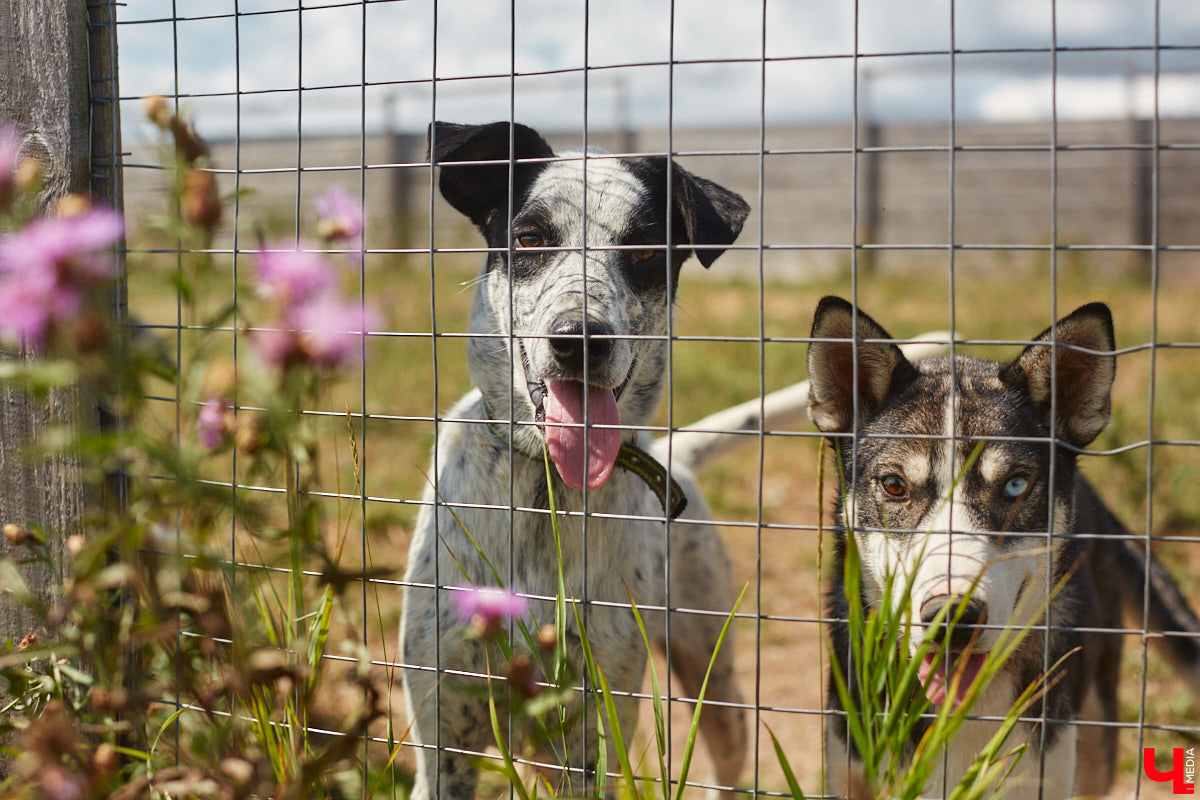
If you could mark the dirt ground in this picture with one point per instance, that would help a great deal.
(780, 650)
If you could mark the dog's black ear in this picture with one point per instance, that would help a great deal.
(1081, 381)
(477, 190)
(704, 213)
(712, 215)
(881, 368)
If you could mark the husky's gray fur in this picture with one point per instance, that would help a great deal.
(500, 497)
(905, 433)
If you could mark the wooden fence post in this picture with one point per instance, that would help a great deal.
(58, 82)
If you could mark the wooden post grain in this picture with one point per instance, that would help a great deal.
(58, 83)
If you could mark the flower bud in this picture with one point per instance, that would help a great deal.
(523, 675)
(91, 332)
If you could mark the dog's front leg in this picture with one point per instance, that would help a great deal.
(443, 721)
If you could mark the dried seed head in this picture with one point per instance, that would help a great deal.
(201, 203)
(72, 205)
(27, 641)
(523, 676)
(251, 433)
(75, 544)
(16, 534)
(158, 111)
(220, 378)
(29, 174)
(104, 760)
(547, 637)
(238, 770)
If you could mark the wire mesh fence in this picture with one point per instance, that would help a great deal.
(946, 168)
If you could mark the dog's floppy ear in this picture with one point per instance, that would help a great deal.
(882, 368)
(703, 212)
(478, 189)
(1082, 381)
(712, 215)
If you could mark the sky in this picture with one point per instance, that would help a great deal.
(701, 66)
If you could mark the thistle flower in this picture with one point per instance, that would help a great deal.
(341, 218)
(212, 426)
(312, 325)
(488, 608)
(331, 330)
(47, 267)
(289, 276)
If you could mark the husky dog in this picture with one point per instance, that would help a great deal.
(974, 538)
(569, 349)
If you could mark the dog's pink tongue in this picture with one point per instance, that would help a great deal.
(937, 682)
(582, 456)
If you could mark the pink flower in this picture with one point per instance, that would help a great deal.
(341, 218)
(64, 243)
(290, 276)
(488, 608)
(211, 425)
(58, 784)
(32, 303)
(324, 332)
(46, 267)
(332, 330)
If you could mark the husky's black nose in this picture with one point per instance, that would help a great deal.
(572, 344)
(974, 613)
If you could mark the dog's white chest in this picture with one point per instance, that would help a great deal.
(1056, 778)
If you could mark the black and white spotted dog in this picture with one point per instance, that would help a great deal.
(578, 319)
(917, 425)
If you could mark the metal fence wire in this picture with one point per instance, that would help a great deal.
(983, 170)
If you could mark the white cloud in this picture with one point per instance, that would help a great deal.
(1023, 99)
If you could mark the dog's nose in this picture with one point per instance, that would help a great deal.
(572, 344)
(974, 613)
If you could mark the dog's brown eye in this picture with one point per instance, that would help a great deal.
(529, 240)
(643, 255)
(894, 485)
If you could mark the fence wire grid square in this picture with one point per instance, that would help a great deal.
(955, 167)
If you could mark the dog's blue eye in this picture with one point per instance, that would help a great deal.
(1016, 486)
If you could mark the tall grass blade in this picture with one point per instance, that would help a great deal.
(785, 765)
(660, 731)
(690, 748)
